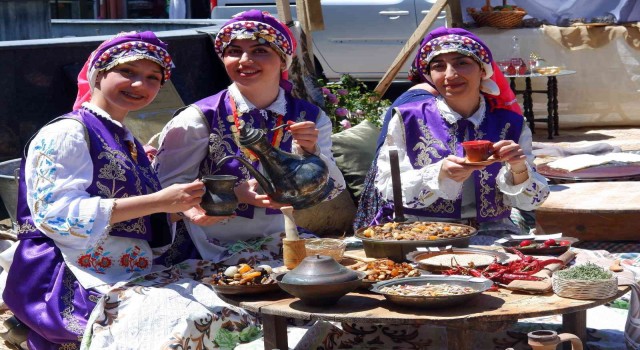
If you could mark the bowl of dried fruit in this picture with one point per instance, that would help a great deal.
(243, 279)
(377, 270)
(394, 240)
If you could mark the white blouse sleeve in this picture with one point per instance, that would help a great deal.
(183, 145)
(530, 194)
(58, 170)
(420, 187)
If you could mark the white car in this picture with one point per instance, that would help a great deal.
(361, 37)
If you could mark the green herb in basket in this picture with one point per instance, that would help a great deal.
(586, 272)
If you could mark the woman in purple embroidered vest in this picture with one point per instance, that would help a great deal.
(436, 183)
(256, 50)
(87, 196)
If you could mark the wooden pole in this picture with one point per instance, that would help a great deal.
(284, 11)
(408, 48)
(305, 24)
(454, 14)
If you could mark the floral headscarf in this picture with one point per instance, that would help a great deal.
(262, 27)
(444, 40)
(124, 47)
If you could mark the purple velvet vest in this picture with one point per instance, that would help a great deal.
(109, 154)
(433, 138)
(217, 111)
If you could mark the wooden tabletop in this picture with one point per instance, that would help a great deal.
(594, 197)
(488, 312)
(592, 211)
(366, 307)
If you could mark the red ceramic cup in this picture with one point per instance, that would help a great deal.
(477, 150)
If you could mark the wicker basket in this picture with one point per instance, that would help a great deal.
(499, 19)
(584, 289)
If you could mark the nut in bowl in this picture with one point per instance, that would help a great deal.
(326, 246)
(432, 291)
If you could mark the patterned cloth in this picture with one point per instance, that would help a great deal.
(169, 310)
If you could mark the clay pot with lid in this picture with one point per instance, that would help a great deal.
(319, 280)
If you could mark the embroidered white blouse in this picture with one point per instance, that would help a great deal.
(57, 174)
(416, 180)
(180, 155)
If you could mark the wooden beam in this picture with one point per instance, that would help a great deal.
(305, 24)
(284, 11)
(408, 48)
(454, 14)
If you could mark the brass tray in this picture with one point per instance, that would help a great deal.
(397, 250)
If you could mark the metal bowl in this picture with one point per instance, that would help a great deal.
(417, 257)
(323, 294)
(479, 285)
(397, 250)
(554, 250)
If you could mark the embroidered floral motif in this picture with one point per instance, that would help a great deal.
(72, 324)
(133, 49)
(95, 259)
(261, 32)
(426, 147)
(44, 184)
(134, 260)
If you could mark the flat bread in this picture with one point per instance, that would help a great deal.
(450, 260)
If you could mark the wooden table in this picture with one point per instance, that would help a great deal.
(490, 312)
(551, 91)
(592, 211)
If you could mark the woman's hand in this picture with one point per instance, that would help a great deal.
(456, 169)
(510, 152)
(198, 216)
(246, 192)
(180, 197)
(305, 135)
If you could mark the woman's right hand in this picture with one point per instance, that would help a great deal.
(456, 169)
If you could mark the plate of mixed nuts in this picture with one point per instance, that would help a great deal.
(243, 279)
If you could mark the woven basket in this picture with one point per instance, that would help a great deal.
(499, 19)
(584, 289)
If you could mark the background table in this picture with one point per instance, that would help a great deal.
(490, 312)
(592, 211)
(552, 118)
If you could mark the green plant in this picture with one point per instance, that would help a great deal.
(349, 102)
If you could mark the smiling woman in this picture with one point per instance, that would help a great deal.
(473, 102)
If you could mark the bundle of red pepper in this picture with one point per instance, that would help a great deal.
(521, 269)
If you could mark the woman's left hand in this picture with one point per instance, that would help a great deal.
(305, 135)
(510, 152)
